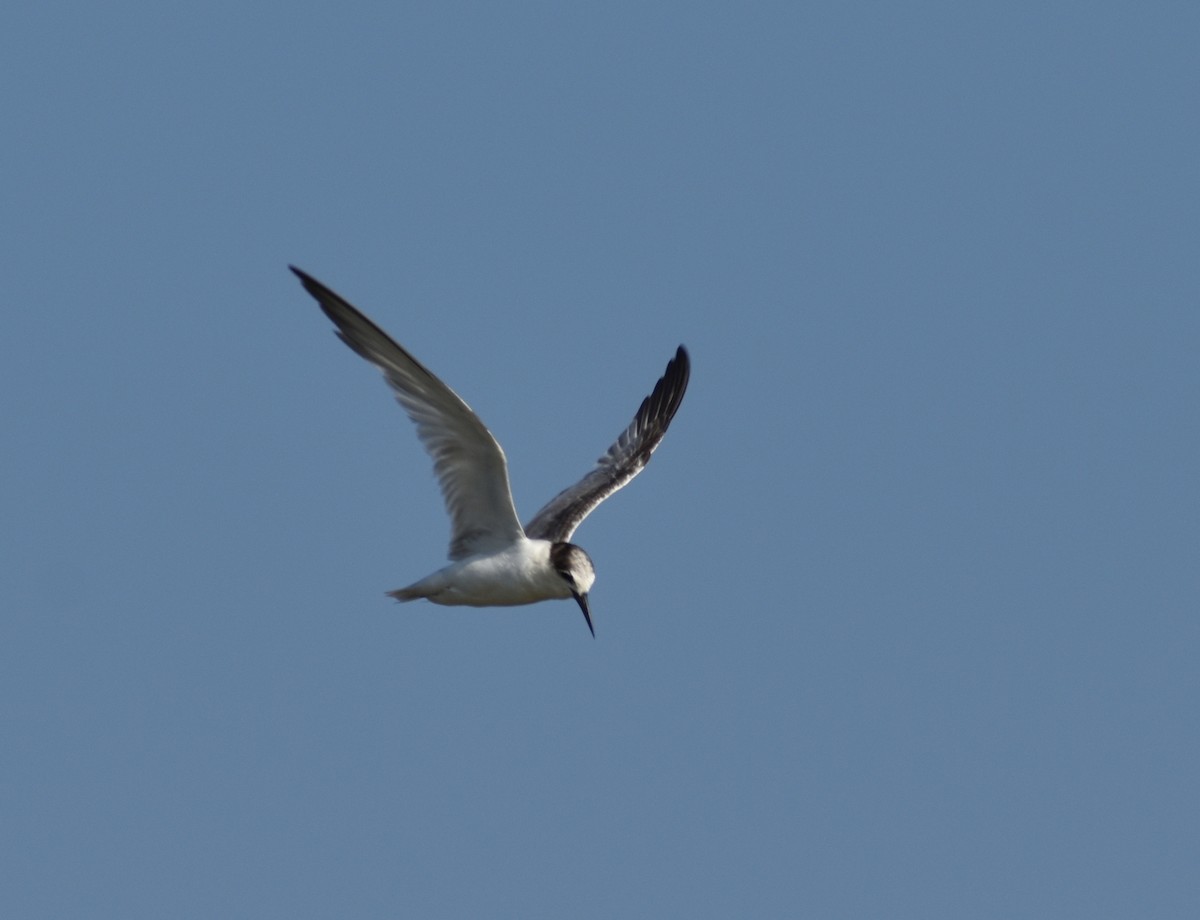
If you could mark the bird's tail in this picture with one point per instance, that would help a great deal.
(431, 586)
(411, 593)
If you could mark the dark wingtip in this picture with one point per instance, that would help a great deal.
(334, 306)
(684, 360)
(659, 408)
(311, 284)
(681, 366)
(314, 287)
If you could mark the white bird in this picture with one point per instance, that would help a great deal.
(494, 561)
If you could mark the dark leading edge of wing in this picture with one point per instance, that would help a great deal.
(624, 460)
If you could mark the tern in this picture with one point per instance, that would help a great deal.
(495, 562)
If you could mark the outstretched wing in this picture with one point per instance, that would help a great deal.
(468, 461)
(624, 460)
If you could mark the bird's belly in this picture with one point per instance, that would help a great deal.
(490, 583)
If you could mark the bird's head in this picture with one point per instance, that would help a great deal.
(574, 566)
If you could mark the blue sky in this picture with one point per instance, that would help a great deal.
(901, 619)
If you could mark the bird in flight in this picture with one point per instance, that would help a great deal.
(494, 560)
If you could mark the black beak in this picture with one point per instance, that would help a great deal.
(587, 614)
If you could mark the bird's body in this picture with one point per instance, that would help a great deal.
(520, 573)
(495, 561)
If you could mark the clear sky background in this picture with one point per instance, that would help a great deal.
(901, 621)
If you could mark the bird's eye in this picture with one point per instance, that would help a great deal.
(570, 579)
